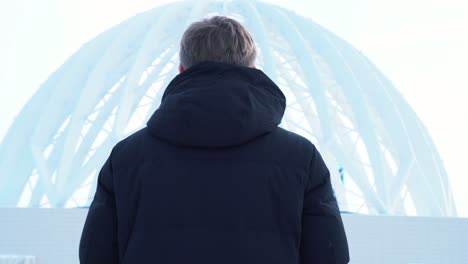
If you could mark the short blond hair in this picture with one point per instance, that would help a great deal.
(217, 38)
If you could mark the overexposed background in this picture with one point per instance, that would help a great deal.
(422, 46)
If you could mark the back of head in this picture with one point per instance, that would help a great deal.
(219, 39)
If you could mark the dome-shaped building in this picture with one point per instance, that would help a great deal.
(381, 157)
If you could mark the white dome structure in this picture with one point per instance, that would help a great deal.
(381, 157)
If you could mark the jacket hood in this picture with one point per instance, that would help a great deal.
(215, 104)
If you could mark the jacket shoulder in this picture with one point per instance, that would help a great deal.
(292, 146)
(295, 140)
(130, 148)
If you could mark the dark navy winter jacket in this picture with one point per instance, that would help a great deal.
(212, 179)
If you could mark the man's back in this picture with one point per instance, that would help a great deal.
(212, 179)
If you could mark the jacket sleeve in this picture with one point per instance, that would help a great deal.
(323, 238)
(98, 242)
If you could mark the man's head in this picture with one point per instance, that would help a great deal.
(217, 38)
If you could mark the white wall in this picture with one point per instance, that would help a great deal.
(52, 235)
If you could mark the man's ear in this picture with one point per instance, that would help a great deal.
(181, 68)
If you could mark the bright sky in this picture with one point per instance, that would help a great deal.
(421, 45)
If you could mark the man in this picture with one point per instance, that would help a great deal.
(212, 178)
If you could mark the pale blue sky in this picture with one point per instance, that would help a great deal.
(422, 46)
